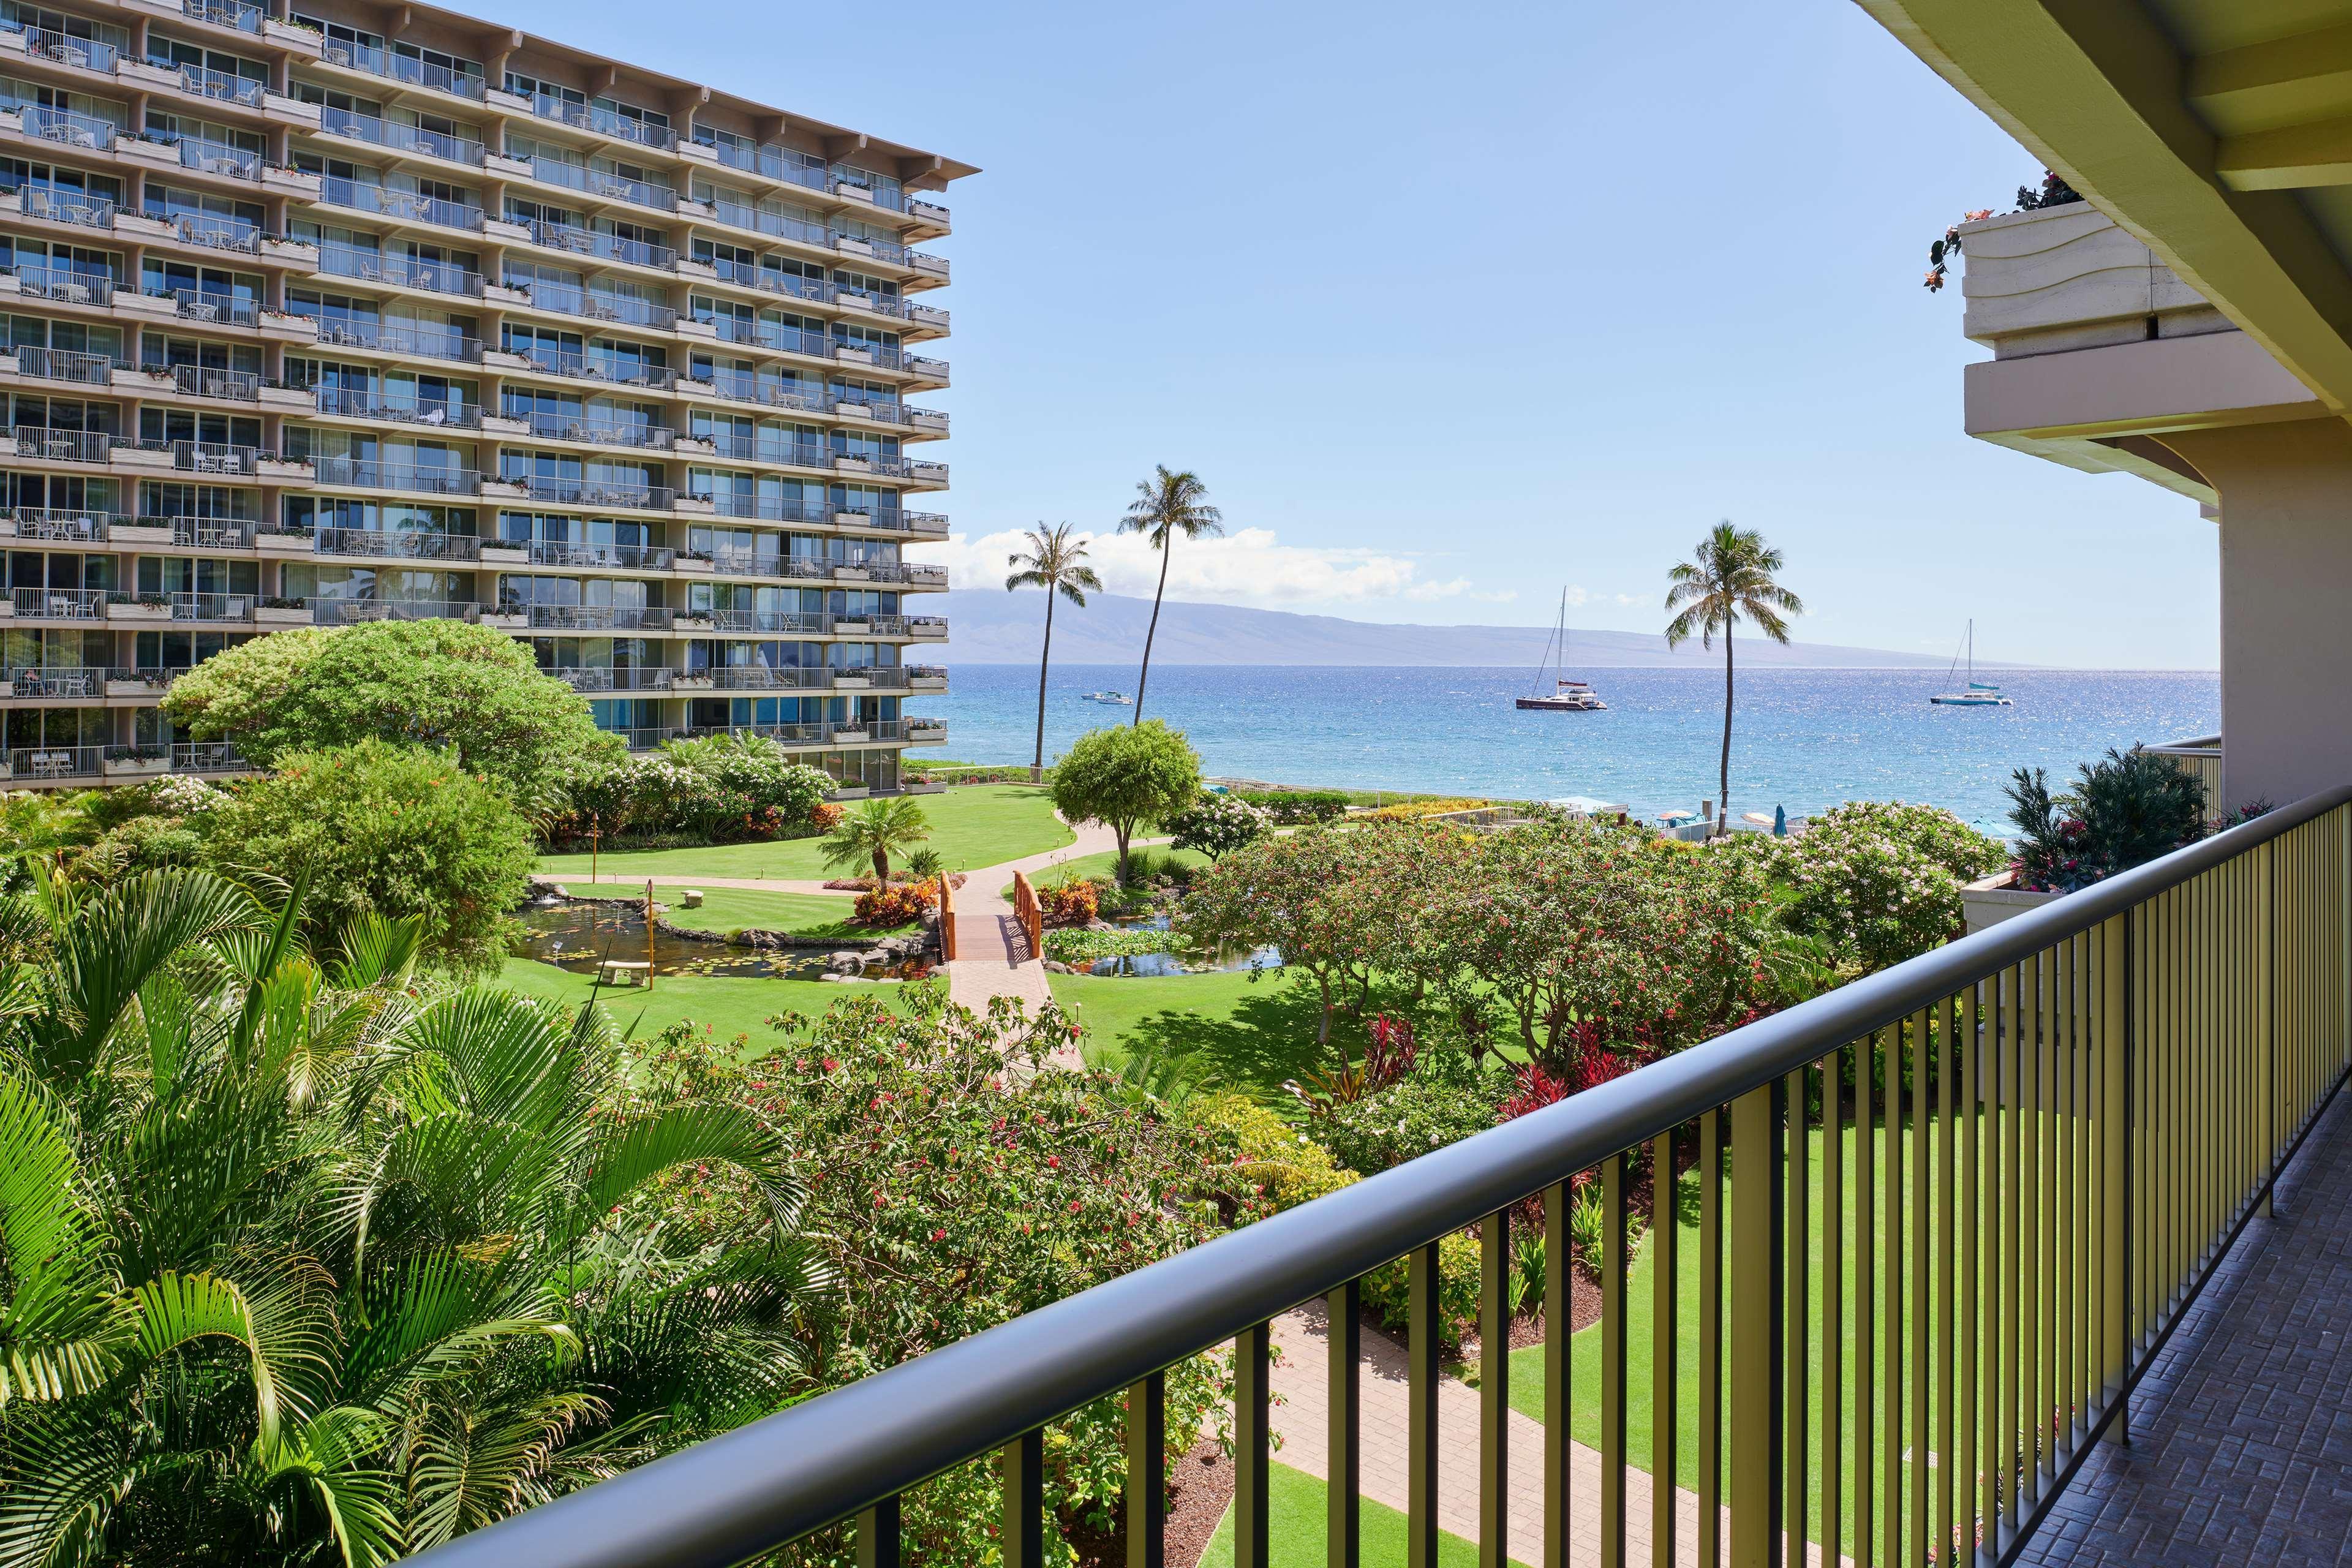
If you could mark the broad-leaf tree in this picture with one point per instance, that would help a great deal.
(1166, 504)
(1126, 779)
(1729, 575)
(1056, 561)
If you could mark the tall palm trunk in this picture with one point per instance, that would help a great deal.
(1044, 658)
(1144, 678)
(1722, 774)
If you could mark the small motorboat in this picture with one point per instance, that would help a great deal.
(1111, 698)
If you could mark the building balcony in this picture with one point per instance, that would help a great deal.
(600, 494)
(2199, 757)
(391, 64)
(573, 240)
(61, 525)
(925, 731)
(355, 611)
(202, 757)
(358, 473)
(406, 206)
(926, 677)
(654, 677)
(400, 338)
(603, 122)
(603, 557)
(343, 403)
(604, 184)
(397, 544)
(337, 260)
(592, 431)
(763, 678)
(615, 369)
(213, 609)
(54, 684)
(56, 605)
(596, 617)
(55, 765)
(564, 300)
(395, 136)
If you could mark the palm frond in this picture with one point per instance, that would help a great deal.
(114, 944)
(285, 1328)
(61, 1333)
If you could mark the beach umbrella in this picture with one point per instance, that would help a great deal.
(1757, 817)
(1676, 816)
(1779, 822)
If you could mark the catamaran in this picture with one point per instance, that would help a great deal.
(1114, 698)
(1568, 695)
(1976, 693)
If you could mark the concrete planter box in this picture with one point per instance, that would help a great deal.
(855, 791)
(1990, 900)
(134, 688)
(852, 466)
(689, 564)
(138, 533)
(848, 625)
(920, 629)
(134, 767)
(283, 546)
(853, 356)
(281, 615)
(691, 683)
(846, 732)
(851, 683)
(850, 574)
(507, 622)
(504, 555)
(140, 614)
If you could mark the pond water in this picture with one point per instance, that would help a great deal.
(579, 937)
(1147, 965)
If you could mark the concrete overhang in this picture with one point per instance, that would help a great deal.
(2217, 131)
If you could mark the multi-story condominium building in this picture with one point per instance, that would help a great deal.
(340, 311)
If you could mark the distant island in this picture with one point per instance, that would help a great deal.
(997, 627)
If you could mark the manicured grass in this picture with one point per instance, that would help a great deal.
(1296, 1519)
(1526, 1365)
(983, 824)
(1252, 1034)
(731, 1006)
(818, 917)
(1107, 863)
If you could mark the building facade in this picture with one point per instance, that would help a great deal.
(332, 311)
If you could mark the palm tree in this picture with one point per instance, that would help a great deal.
(299, 1266)
(876, 830)
(1055, 563)
(1729, 575)
(1166, 505)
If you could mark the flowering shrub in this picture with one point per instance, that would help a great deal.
(1217, 824)
(2124, 810)
(956, 1179)
(1287, 1167)
(721, 789)
(1412, 810)
(1296, 807)
(1071, 904)
(1445, 1101)
(1879, 882)
(1388, 1289)
(825, 815)
(177, 795)
(901, 903)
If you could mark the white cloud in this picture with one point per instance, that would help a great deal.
(1249, 566)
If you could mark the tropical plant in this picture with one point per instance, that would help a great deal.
(1311, 894)
(298, 1267)
(1055, 561)
(2124, 810)
(432, 683)
(1730, 575)
(2053, 192)
(1126, 779)
(873, 831)
(926, 865)
(1166, 504)
(1217, 824)
(387, 830)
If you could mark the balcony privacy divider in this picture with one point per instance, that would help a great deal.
(2032, 1147)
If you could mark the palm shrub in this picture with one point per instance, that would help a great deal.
(298, 1265)
(2124, 810)
(872, 832)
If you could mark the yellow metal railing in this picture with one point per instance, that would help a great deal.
(1938, 1223)
(2200, 759)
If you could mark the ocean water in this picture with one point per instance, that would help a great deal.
(1805, 738)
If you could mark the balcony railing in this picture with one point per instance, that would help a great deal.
(199, 381)
(790, 285)
(399, 338)
(896, 520)
(626, 557)
(234, 14)
(222, 87)
(604, 432)
(741, 388)
(214, 231)
(599, 183)
(66, 364)
(797, 168)
(655, 678)
(770, 452)
(63, 446)
(66, 207)
(83, 680)
(66, 286)
(565, 490)
(400, 545)
(398, 67)
(400, 137)
(375, 267)
(767, 335)
(409, 206)
(606, 367)
(205, 533)
(2035, 1146)
(764, 677)
(353, 404)
(352, 611)
(600, 618)
(38, 762)
(67, 129)
(573, 240)
(364, 473)
(207, 757)
(214, 458)
(793, 623)
(565, 299)
(208, 157)
(646, 738)
(66, 48)
(61, 525)
(589, 116)
(202, 305)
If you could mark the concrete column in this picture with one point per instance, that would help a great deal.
(2286, 584)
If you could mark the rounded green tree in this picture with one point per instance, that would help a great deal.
(1126, 779)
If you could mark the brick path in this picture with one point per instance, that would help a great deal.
(2242, 1435)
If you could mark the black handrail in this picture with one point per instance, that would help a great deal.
(749, 1490)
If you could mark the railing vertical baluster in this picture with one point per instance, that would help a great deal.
(1420, 1425)
(1922, 1179)
(1613, 1270)
(2265, 1122)
(1866, 1297)
(1947, 1068)
(1495, 1390)
(2118, 989)
(1252, 1411)
(1756, 1337)
(1665, 1392)
(2044, 1272)
(1972, 1416)
(1147, 1472)
(1559, 1443)
(2012, 1102)
(877, 1535)
(1835, 1254)
(1891, 1281)
(1796, 1167)
(2063, 1118)
(1710, 1342)
(1023, 1539)
(1343, 1525)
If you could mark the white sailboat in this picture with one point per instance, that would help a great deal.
(1568, 695)
(1976, 693)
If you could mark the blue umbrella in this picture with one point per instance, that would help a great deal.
(1779, 822)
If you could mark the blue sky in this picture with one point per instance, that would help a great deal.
(1453, 306)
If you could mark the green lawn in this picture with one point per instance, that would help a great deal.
(1254, 1035)
(982, 825)
(731, 1006)
(817, 917)
(1526, 1365)
(1106, 863)
(1296, 1516)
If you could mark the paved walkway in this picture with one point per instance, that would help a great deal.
(2241, 1434)
(993, 956)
